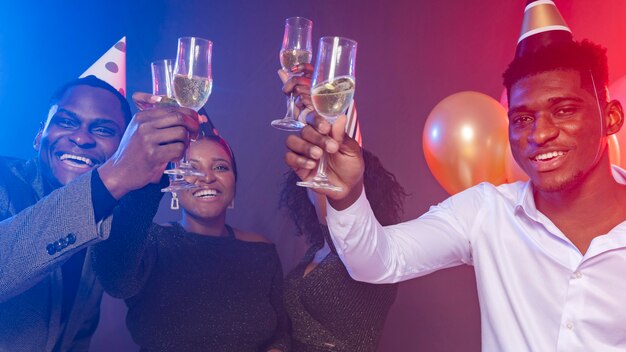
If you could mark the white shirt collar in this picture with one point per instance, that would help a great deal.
(526, 201)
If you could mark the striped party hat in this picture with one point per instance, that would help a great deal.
(353, 130)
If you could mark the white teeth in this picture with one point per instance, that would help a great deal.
(78, 158)
(205, 193)
(549, 155)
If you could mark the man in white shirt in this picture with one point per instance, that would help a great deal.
(550, 254)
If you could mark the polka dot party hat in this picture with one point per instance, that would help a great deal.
(111, 67)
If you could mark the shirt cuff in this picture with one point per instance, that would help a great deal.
(358, 204)
(102, 200)
(340, 222)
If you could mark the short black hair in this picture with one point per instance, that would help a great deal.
(586, 57)
(96, 82)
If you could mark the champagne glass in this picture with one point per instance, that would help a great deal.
(192, 82)
(333, 89)
(296, 49)
(162, 72)
(162, 76)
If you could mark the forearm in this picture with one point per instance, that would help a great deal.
(358, 239)
(376, 254)
(123, 262)
(36, 240)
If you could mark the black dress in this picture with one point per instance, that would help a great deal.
(329, 311)
(189, 292)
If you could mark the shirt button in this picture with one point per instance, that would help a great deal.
(569, 325)
(578, 274)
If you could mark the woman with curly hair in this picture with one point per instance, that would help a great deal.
(329, 311)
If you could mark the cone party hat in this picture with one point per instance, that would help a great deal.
(111, 67)
(542, 25)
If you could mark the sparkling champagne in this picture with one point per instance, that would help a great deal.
(330, 99)
(167, 101)
(293, 57)
(192, 92)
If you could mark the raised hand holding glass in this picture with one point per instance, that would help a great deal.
(193, 81)
(162, 76)
(332, 92)
(296, 50)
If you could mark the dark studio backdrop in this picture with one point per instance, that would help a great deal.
(411, 55)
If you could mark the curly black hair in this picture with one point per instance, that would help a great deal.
(585, 57)
(385, 194)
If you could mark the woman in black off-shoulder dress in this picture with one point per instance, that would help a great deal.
(197, 284)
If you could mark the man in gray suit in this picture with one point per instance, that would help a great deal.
(54, 206)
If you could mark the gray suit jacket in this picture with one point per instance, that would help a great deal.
(37, 235)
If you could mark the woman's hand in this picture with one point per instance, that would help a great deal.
(299, 83)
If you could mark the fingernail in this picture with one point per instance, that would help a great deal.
(324, 127)
(331, 145)
(310, 165)
(155, 99)
(316, 152)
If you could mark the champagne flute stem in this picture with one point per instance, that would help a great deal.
(291, 102)
(186, 153)
(321, 167)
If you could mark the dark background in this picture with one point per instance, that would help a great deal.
(411, 55)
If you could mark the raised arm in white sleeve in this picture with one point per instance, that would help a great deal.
(438, 239)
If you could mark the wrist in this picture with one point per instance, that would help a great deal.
(112, 180)
(351, 197)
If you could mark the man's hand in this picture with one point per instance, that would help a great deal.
(153, 138)
(344, 163)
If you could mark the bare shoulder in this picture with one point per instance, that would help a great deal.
(250, 236)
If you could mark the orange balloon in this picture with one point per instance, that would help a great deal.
(617, 91)
(465, 140)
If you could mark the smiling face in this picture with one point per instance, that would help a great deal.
(556, 132)
(216, 190)
(82, 131)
